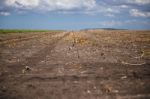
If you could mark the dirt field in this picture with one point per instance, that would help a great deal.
(92, 64)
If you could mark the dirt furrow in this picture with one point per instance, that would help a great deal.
(36, 57)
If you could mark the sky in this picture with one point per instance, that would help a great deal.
(75, 14)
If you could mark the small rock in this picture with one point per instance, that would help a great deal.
(88, 91)
(27, 68)
(123, 77)
(115, 91)
(102, 68)
(94, 87)
(83, 72)
(75, 81)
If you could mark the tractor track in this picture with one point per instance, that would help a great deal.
(18, 40)
(36, 57)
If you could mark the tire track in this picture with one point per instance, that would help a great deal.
(17, 40)
(35, 58)
(44, 78)
(31, 61)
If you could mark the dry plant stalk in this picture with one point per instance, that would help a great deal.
(74, 38)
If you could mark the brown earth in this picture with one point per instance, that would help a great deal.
(93, 64)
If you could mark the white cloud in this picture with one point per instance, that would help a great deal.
(23, 4)
(4, 13)
(136, 22)
(110, 23)
(111, 10)
(110, 15)
(137, 13)
(122, 23)
(50, 4)
(124, 6)
(90, 7)
(140, 2)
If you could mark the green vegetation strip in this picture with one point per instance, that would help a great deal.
(5, 31)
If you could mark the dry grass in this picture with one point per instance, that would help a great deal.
(77, 38)
(146, 52)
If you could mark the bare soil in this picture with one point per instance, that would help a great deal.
(93, 64)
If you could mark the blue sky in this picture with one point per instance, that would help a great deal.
(74, 14)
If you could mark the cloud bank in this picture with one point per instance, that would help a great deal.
(137, 13)
(140, 2)
(49, 5)
(134, 8)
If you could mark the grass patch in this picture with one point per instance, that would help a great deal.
(5, 31)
